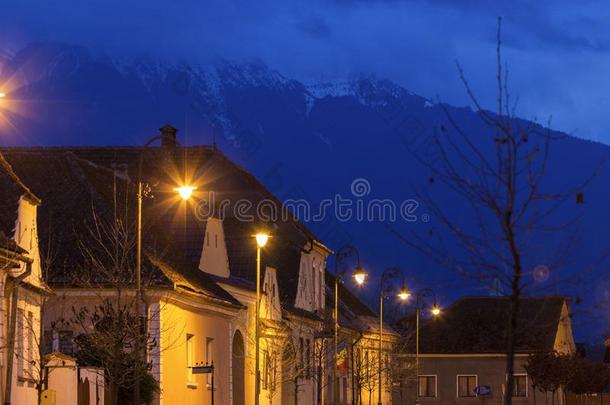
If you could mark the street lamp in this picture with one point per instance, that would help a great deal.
(402, 295)
(359, 275)
(185, 193)
(261, 240)
(434, 311)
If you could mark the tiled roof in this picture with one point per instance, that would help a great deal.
(74, 190)
(479, 325)
(72, 181)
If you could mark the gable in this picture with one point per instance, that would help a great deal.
(270, 306)
(564, 340)
(214, 259)
(26, 236)
(310, 288)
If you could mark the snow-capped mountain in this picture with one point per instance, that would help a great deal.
(303, 140)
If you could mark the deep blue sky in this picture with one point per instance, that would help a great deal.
(558, 51)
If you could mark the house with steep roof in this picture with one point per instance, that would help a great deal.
(22, 290)
(465, 348)
(198, 269)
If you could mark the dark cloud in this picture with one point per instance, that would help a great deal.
(557, 50)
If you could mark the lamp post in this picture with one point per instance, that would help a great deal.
(261, 241)
(402, 295)
(434, 311)
(359, 275)
(185, 193)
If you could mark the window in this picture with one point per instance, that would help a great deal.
(269, 370)
(190, 346)
(308, 354)
(209, 355)
(321, 287)
(314, 285)
(30, 355)
(66, 342)
(301, 354)
(19, 343)
(266, 370)
(520, 385)
(466, 385)
(48, 340)
(426, 386)
(367, 366)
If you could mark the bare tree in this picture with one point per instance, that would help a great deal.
(104, 324)
(502, 182)
(401, 368)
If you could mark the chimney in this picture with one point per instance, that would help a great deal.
(168, 136)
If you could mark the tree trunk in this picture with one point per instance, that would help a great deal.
(514, 309)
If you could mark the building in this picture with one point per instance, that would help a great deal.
(465, 348)
(198, 268)
(358, 358)
(22, 290)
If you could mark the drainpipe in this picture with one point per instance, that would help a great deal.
(13, 324)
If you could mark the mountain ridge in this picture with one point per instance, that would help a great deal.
(308, 140)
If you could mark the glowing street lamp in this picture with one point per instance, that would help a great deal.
(435, 311)
(404, 294)
(2, 95)
(359, 275)
(261, 240)
(185, 192)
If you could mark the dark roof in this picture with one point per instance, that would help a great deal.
(479, 325)
(80, 195)
(74, 181)
(210, 170)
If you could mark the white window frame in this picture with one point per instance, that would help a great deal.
(190, 360)
(30, 344)
(210, 344)
(435, 385)
(457, 384)
(527, 384)
(20, 342)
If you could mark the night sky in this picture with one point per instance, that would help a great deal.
(557, 50)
